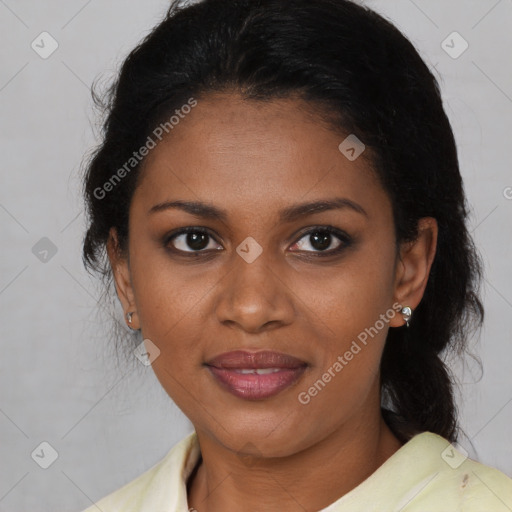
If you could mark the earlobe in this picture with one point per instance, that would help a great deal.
(413, 267)
(122, 279)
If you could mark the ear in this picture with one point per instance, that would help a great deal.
(122, 279)
(413, 267)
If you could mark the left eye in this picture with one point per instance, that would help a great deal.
(321, 240)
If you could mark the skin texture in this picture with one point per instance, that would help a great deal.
(252, 160)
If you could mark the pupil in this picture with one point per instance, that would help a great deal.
(320, 241)
(197, 240)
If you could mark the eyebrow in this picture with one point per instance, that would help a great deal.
(289, 214)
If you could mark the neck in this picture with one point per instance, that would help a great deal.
(341, 461)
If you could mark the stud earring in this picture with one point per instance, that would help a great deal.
(407, 313)
(129, 317)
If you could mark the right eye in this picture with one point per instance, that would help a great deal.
(192, 240)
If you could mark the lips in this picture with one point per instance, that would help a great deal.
(256, 375)
(241, 359)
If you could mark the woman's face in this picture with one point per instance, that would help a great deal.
(260, 279)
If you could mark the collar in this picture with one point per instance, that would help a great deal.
(426, 473)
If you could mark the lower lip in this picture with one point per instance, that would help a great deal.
(252, 386)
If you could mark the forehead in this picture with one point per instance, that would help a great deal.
(251, 153)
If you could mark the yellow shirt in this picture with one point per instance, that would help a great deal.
(426, 474)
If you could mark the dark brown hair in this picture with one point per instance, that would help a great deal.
(354, 63)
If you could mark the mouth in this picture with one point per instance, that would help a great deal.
(256, 375)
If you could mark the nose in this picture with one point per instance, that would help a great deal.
(254, 297)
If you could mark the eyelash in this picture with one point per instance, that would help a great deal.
(345, 240)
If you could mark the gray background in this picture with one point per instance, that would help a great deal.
(59, 380)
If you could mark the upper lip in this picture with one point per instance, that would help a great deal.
(261, 359)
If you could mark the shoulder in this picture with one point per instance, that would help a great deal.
(160, 487)
(458, 483)
(477, 487)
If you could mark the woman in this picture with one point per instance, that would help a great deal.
(278, 201)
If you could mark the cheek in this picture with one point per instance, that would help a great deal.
(349, 316)
(171, 304)
(350, 343)
(350, 297)
(171, 309)
(169, 296)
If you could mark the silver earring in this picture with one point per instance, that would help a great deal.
(129, 317)
(407, 313)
